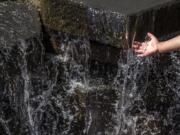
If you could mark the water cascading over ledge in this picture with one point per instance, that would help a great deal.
(74, 75)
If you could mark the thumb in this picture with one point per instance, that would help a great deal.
(151, 35)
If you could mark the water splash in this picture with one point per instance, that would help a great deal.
(126, 82)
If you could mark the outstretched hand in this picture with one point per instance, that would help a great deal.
(146, 48)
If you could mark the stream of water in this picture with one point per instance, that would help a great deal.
(87, 88)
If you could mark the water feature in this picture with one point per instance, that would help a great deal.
(54, 83)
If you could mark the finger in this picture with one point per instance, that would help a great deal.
(150, 35)
(136, 43)
(142, 47)
(139, 51)
(135, 46)
(142, 55)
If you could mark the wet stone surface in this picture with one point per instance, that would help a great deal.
(72, 93)
(61, 84)
(79, 20)
(111, 22)
(18, 21)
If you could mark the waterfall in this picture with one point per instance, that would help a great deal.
(74, 93)
(56, 83)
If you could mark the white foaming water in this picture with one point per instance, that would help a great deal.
(64, 56)
(27, 85)
(128, 92)
(74, 64)
(172, 73)
(88, 123)
(77, 85)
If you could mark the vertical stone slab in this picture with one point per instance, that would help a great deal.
(19, 46)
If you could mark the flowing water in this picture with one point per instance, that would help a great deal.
(91, 100)
(87, 88)
(71, 93)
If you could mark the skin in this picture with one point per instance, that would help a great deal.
(154, 46)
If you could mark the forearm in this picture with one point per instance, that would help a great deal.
(169, 45)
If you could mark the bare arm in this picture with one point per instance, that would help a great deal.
(169, 45)
(154, 46)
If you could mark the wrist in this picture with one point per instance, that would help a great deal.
(158, 50)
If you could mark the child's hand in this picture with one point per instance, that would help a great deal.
(146, 48)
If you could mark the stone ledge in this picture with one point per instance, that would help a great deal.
(108, 26)
(78, 19)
